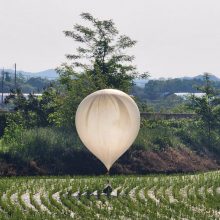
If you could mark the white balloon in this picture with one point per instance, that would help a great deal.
(108, 122)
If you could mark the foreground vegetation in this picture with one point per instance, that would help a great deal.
(144, 197)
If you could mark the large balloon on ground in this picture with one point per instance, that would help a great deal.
(108, 122)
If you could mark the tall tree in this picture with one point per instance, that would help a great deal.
(99, 62)
(207, 107)
(102, 53)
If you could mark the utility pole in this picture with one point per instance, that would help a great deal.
(15, 77)
(2, 86)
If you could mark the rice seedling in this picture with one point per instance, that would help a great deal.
(144, 197)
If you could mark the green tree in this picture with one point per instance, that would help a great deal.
(207, 107)
(34, 109)
(100, 62)
(102, 53)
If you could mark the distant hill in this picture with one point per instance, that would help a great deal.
(48, 74)
(52, 74)
(212, 77)
(140, 82)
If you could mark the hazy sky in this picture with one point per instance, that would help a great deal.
(175, 37)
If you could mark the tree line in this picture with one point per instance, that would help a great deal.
(26, 85)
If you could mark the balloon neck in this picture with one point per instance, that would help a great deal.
(107, 173)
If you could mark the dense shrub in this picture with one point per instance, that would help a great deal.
(193, 135)
(158, 135)
(13, 130)
(49, 144)
(43, 143)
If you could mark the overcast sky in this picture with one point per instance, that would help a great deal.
(175, 37)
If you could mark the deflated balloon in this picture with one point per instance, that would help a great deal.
(108, 122)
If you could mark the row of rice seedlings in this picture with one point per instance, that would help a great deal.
(160, 197)
(195, 192)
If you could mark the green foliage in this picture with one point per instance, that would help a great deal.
(200, 133)
(28, 113)
(70, 96)
(193, 135)
(207, 108)
(35, 143)
(100, 62)
(181, 108)
(13, 131)
(102, 52)
(34, 110)
(41, 144)
(159, 134)
(143, 106)
(167, 103)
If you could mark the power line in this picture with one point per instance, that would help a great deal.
(15, 76)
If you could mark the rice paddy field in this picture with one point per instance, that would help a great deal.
(133, 197)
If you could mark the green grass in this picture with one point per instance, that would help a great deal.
(38, 142)
(35, 143)
(137, 197)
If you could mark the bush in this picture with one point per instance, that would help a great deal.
(157, 135)
(46, 144)
(14, 128)
(50, 144)
(43, 144)
(193, 135)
